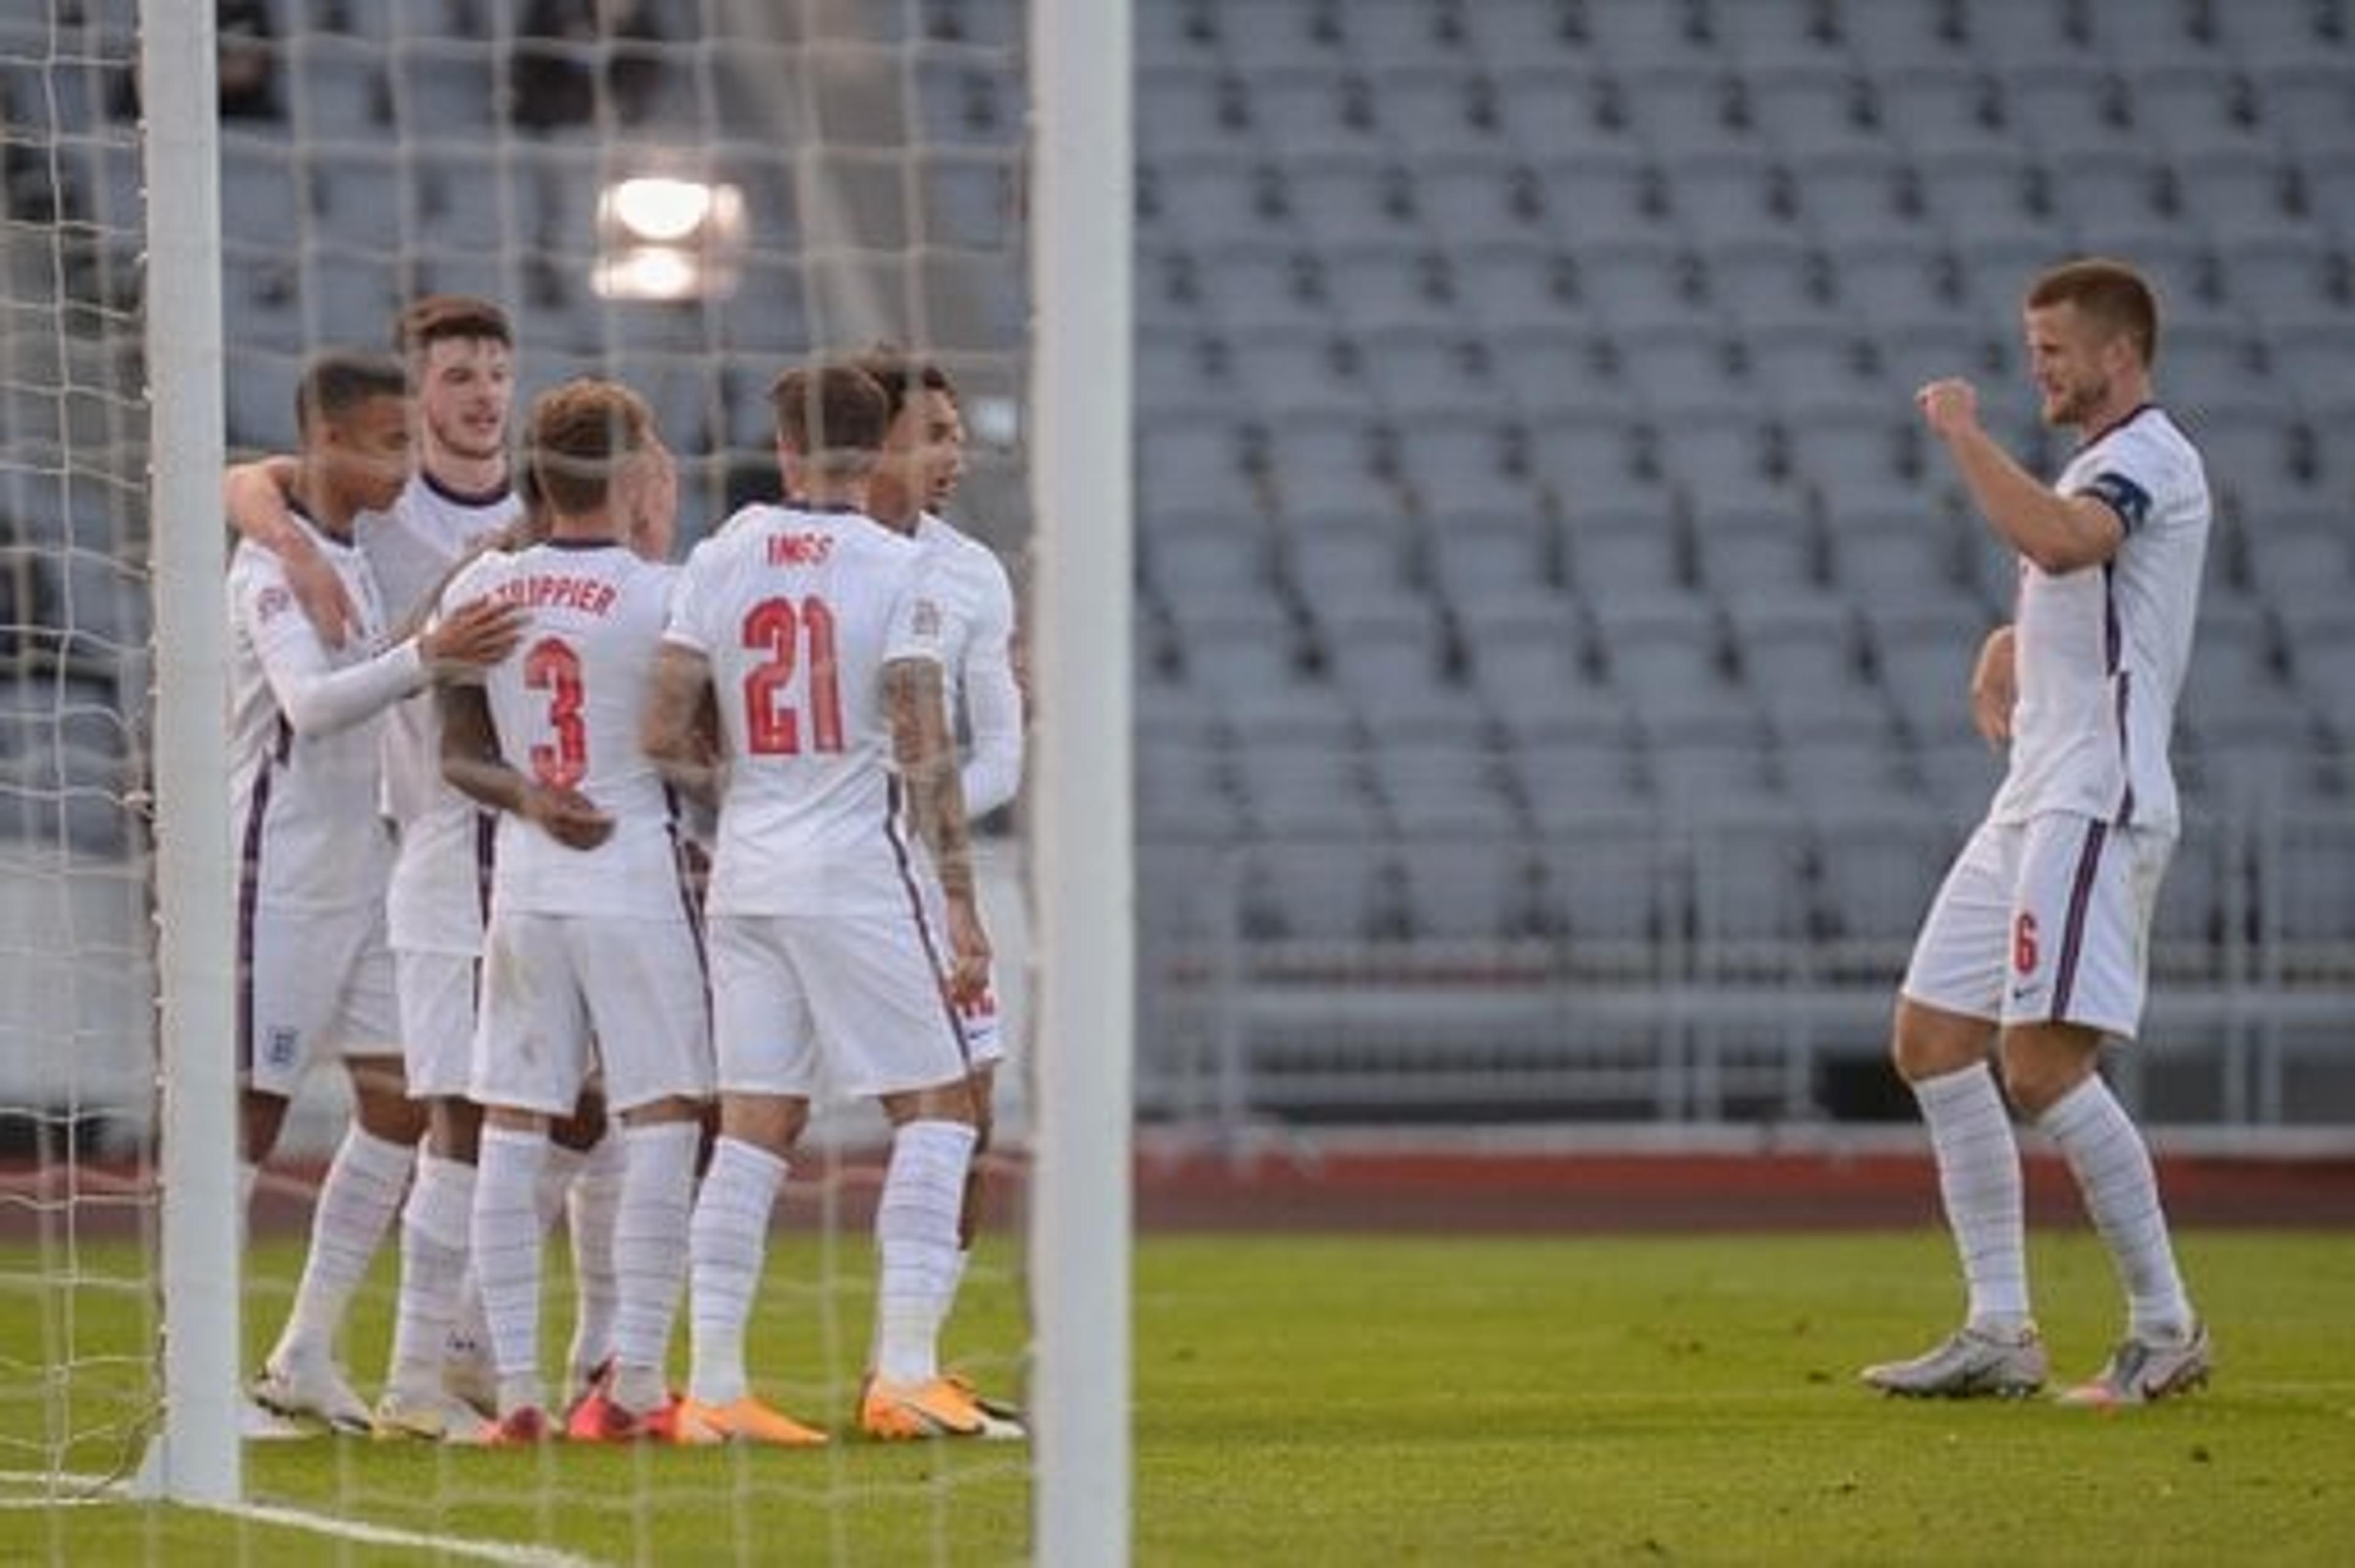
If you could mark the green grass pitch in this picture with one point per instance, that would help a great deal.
(1315, 1399)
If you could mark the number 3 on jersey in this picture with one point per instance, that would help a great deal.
(552, 667)
(773, 725)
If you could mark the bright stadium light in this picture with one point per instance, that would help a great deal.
(661, 236)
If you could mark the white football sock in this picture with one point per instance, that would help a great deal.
(650, 1247)
(357, 1202)
(2112, 1168)
(916, 1241)
(1979, 1178)
(593, 1205)
(728, 1243)
(507, 1246)
(434, 1228)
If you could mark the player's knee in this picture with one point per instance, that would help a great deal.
(773, 1123)
(1927, 1043)
(2042, 1063)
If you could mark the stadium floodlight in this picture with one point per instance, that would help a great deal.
(666, 237)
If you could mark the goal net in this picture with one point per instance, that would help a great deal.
(686, 198)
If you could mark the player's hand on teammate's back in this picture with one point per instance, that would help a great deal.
(968, 975)
(567, 815)
(471, 638)
(1995, 688)
(319, 591)
(1949, 405)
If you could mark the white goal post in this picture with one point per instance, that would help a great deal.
(196, 1459)
(1082, 836)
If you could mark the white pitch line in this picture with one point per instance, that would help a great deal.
(91, 1490)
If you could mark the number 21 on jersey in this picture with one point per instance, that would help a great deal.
(795, 635)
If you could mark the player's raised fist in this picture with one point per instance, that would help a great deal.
(1949, 404)
(476, 635)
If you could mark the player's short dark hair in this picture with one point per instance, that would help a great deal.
(830, 412)
(2109, 294)
(901, 374)
(577, 437)
(339, 380)
(428, 321)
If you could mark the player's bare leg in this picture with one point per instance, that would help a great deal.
(356, 1203)
(2050, 1070)
(1943, 1057)
(728, 1249)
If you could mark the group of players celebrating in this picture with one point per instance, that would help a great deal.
(478, 717)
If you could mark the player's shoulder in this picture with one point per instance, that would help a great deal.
(2150, 437)
(450, 516)
(960, 551)
(483, 571)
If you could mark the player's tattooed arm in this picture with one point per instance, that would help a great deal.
(927, 757)
(472, 762)
(680, 730)
(254, 496)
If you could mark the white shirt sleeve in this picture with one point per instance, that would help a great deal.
(919, 617)
(316, 697)
(992, 701)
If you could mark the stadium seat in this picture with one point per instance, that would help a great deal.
(1809, 107)
(1471, 200)
(1617, 193)
(1331, 465)
(1437, 111)
(1760, 545)
(1191, 108)
(1733, 196)
(1341, 200)
(1345, 560)
(1635, 33)
(2236, 195)
(1861, 197)
(1442, 785)
(1937, 107)
(1374, 288)
(1831, 764)
(1425, 376)
(1978, 197)
(1302, 370)
(1452, 462)
(1208, 559)
(1506, 557)
(1467, 888)
(1249, 287)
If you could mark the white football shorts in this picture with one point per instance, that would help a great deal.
(852, 1001)
(312, 982)
(437, 1021)
(565, 992)
(2046, 921)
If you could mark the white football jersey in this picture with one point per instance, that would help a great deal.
(2101, 652)
(435, 906)
(568, 704)
(305, 725)
(799, 612)
(984, 702)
